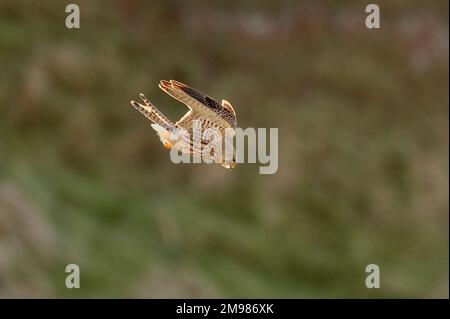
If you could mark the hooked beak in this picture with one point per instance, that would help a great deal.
(229, 166)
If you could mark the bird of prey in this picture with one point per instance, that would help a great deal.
(203, 111)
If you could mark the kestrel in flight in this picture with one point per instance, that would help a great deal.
(203, 110)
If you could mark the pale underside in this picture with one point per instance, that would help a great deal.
(186, 134)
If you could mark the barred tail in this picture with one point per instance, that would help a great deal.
(152, 113)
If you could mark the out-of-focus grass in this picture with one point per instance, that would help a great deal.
(363, 168)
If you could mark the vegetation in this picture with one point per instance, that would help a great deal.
(363, 158)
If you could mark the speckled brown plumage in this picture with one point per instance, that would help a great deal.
(202, 108)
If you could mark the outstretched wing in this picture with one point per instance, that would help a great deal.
(199, 96)
(200, 104)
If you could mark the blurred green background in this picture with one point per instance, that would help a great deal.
(363, 150)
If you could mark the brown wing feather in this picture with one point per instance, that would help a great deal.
(215, 108)
(185, 98)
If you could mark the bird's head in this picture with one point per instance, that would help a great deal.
(230, 165)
